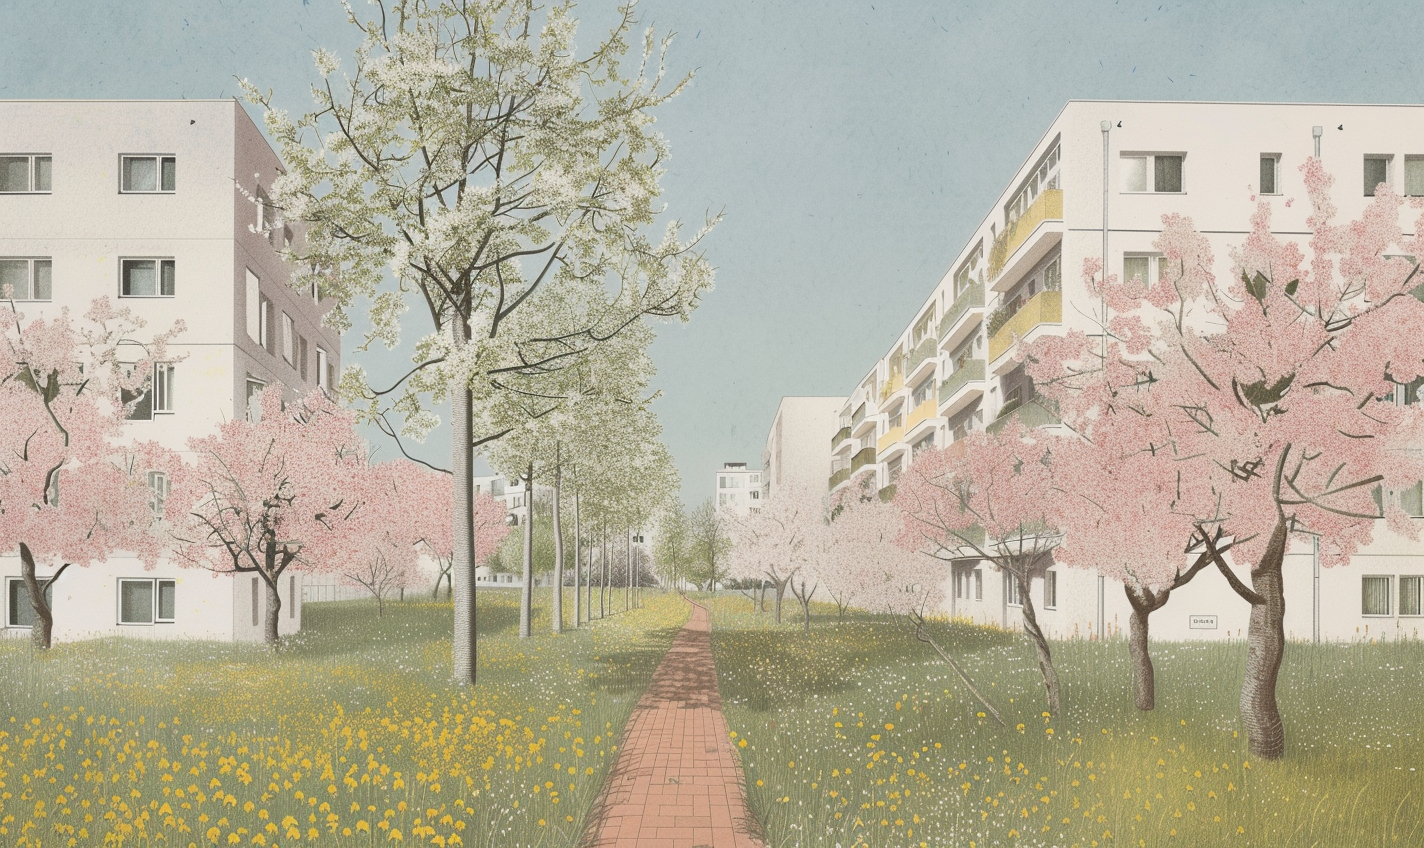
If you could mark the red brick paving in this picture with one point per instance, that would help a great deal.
(677, 782)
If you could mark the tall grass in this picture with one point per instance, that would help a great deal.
(856, 734)
(351, 734)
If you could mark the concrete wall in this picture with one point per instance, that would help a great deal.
(799, 442)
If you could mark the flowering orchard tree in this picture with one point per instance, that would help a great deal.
(424, 499)
(778, 541)
(261, 497)
(866, 565)
(472, 152)
(993, 501)
(1272, 395)
(69, 492)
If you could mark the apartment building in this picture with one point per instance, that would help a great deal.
(738, 488)
(1096, 186)
(795, 445)
(162, 206)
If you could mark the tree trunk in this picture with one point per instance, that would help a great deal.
(603, 602)
(41, 632)
(462, 557)
(578, 556)
(558, 599)
(380, 606)
(1265, 647)
(526, 596)
(627, 568)
(274, 611)
(806, 613)
(1040, 646)
(1144, 681)
(780, 591)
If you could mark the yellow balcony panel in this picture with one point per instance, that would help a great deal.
(893, 435)
(892, 385)
(1047, 207)
(920, 413)
(1046, 307)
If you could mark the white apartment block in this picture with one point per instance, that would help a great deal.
(1096, 186)
(738, 488)
(795, 452)
(140, 201)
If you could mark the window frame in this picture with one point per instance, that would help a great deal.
(978, 584)
(159, 488)
(158, 265)
(1418, 581)
(1154, 269)
(1413, 159)
(1388, 595)
(1050, 589)
(157, 585)
(253, 411)
(1011, 591)
(20, 581)
(1275, 176)
(32, 262)
(31, 172)
(1150, 171)
(1388, 159)
(158, 161)
(289, 342)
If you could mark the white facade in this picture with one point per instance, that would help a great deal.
(738, 488)
(1018, 276)
(796, 444)
(132, 182)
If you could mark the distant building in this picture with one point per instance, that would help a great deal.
(797, 444)
(738, 488)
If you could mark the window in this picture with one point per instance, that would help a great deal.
(266, 216)
(147, 174)
(893, 469)
(146, 277)
(18, 610)
(264, 327)
(254, 399)
(158, 490)
(722, 500)
(1411, 500)
(896, 421)
(1375, 596)
(1011, 591)
(1050, 590)
(254, 602)
(162, 387)
(156, 398)
(924, 444)
(321, 376)
(721, 482)
(330, 374)
(28, 279)
(25, 173)
(1146, 267)
(1411, 594)
(288, 339)
(147, 601)
(254, 307)
(302, 356)
(978, 584)
(756, 478)
(1414, 176)
(1376, 172)
(1155, 173)
(924, 391)
(1270, 173)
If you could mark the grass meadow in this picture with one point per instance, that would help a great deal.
(350, 734)
(856, 735)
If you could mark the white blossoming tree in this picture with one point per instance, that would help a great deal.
(471, 153)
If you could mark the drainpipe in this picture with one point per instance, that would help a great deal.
(1105, 126)
(1315, 545)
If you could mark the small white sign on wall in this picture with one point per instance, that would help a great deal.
(1201, 622)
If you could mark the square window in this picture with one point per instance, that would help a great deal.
(147, 277)
(1411, 593)
(1376, 172)
(28, 279)
(1270, 173)
(25, 174)
(1167, 174)
(1134, 173)
(1375, 596)
(136, 601)
(147, 174)
(18, 610)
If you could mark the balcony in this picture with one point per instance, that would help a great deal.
(1046, 307)
(923, 353)
(887, 494)
(841, 435)
(865, 457)
(1048, 207)
(838, 478)
(892, 385)
(920, 414)
(1035, 413)
(858, 417)
(961, 387)
(891, 437)
(971, 298)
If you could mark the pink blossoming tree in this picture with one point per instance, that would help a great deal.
(70, 492)
(1271, 395)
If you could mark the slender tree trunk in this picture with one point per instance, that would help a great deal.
(578, 556)
(1144, 680)
(1040, 646)
(380, 606)
(43, 629)
(558, 600)
(603, 603)
(780, 591)
(274, 611)
(1265, 648)
(761, 597)
(462, 557)
(627, 568)
(526, 596)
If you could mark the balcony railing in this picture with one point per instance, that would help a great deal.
(1048, 207)
(866, 456)
(971, 370)
(838, 478)
(841, 435)
(858, 417)
(893, 435)
(1035, 413)
(1046, 307)
(892, 385)
(970, 298)
(920, 413)
(923, 351)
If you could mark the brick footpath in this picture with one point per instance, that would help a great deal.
(677, 782)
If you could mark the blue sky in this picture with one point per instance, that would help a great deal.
(851, 145)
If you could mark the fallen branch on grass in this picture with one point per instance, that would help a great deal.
(920, 635)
